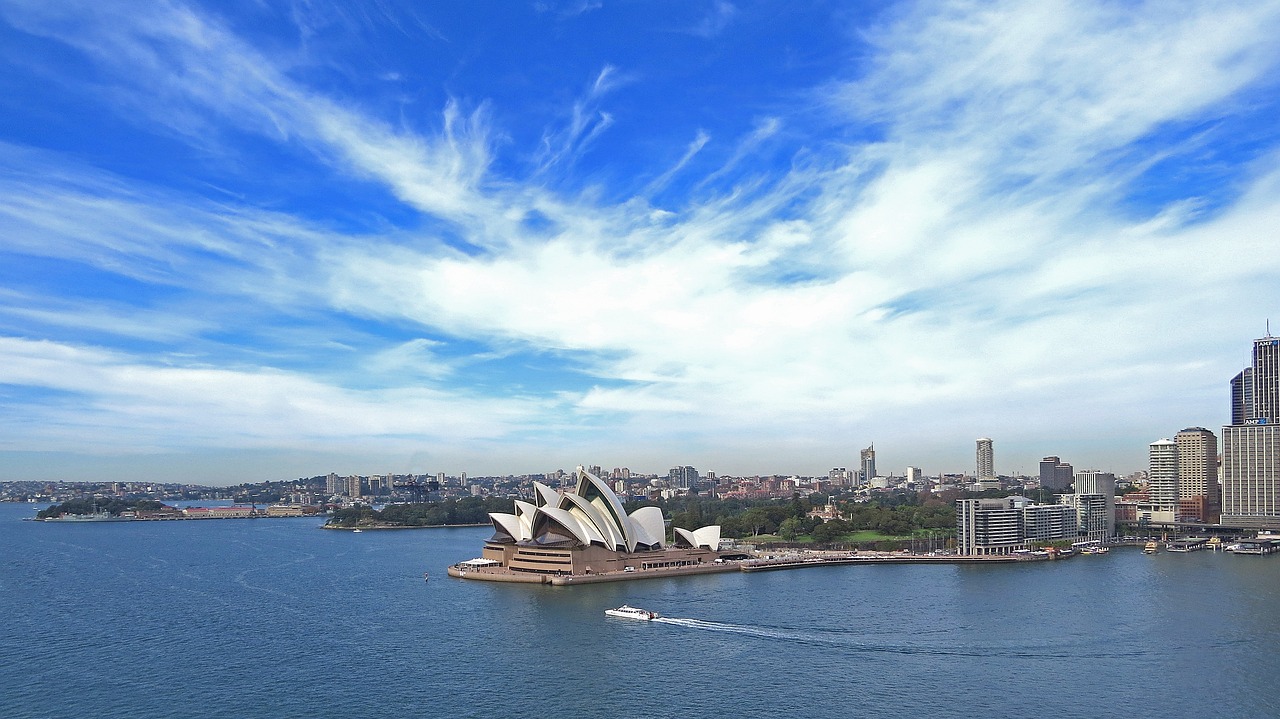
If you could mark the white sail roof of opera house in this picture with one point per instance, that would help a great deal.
(589, 514)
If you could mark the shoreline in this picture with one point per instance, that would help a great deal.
(379, 527)
(485, 574)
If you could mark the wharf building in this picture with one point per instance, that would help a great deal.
(585, 531)
(1010, 524)
(1251, 443)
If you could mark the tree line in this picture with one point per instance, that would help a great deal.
(89, 505)
(892, 514)
(896, 514)
(467, 510)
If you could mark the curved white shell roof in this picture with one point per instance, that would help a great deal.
(508, 523)
(708, 537)
(592, 513)
(648, 526)
(544, 495)
(608, 530)
(564, 520)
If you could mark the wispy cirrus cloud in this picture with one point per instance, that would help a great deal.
(174, 407)
(717, 18)
(661, 181)
(979, 266)
(560, 147)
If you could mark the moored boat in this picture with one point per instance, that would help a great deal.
(629, 612)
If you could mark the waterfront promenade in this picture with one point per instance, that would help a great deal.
(760, 562)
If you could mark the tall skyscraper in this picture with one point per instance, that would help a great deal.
(1198, 473)
(1163, 475)
(868, 457)
(1251, 476)
(1266, 380)
(1242, 396)
(1055, 474)
(1251, 443)
(986, 459)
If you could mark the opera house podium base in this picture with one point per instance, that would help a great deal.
(464, 570)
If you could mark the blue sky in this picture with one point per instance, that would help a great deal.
(244, 241)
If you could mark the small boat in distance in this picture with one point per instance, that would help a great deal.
(357, 531)
(1151, 548)
(628, 612)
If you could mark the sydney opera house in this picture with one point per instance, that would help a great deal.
(584, 532)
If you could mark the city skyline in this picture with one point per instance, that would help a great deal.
(251, 242)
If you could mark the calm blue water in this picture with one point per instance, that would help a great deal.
(276, 618)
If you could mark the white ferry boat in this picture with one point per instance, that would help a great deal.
(628, 612)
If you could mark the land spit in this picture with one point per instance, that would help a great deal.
(758, 564)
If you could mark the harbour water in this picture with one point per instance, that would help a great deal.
(275, 618)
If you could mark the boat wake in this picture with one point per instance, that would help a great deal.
(794, 635)
(854, 641)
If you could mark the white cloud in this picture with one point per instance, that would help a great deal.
(184, 406)
(974, 271)
(717, 18)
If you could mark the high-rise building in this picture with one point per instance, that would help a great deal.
(1103, 484)
(1163, 475)
(913, 476)
(1242, 396)
(1251, 443)
(1251, 476)
(986, 460)
(988, 526)
(683, 477)
(1096, 522)
(1198, 474)
(840, 477)
(1002, 526)
(1055, 474)
(868, 457)
(1266, 380)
